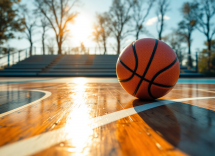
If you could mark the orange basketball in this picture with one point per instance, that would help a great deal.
(148, 68)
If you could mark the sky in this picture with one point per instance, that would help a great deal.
(82, 28)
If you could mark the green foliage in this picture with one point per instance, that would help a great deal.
(10, 21)
(212, 46)
(174, 40)
(4, 50)
(187, 26)
(203, 60)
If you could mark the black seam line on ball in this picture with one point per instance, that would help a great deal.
(124, 80)
(158, 73)
(148, 65)
(154, 83)
(136, 65)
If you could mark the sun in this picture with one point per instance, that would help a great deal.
(81, 30)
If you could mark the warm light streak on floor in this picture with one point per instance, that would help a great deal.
(78, 124)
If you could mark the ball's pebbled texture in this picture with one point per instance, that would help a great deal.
(148, 68)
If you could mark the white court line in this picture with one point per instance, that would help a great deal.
(43, 141)
(196, 89)
(47, 94)
(203, 90)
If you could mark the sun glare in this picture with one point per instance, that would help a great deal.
(80, 81)
(81, 30)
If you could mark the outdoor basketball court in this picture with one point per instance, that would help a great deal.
(95, 116)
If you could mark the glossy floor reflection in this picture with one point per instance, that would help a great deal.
(14, 99)
(187, 127)
(81, 117)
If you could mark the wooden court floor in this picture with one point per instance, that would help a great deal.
(92, 116)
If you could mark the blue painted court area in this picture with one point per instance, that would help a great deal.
(9, 103)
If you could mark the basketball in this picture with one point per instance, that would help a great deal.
(148, 68)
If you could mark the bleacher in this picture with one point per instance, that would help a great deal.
(189, 73)
(72, 65)
(64, 65)
(30, 66)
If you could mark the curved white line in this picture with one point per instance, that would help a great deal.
(43, 141)
(47, 94)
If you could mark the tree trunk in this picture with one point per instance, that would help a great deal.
(43, 43)
(137, 34)
(161, 29)
(118, 46)
(189, 63)
(31, 47)
(59, 48)
(105, 49)
(59, 40)
(160, 32)
(209, 54)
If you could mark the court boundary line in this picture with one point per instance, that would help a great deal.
(47, 94)
(43, 141)
(199, 89)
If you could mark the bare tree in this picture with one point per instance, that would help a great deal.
(30, 25)
(187, 26)
(96, 35)
(59, 14)
(174, 40)
(163, 7)
(50, 46)
(101, 30)
(205, 15)
(176, 43)
(119, 15)
(29, 33)
(45, 26)
(140, 12)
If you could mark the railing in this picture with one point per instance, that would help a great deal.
(13, 57)
(73, 51)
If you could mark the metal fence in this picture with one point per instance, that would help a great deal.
(12, 57)
(73, 51)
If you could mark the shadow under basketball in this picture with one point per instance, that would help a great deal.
(161, 119)
(189, 128)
